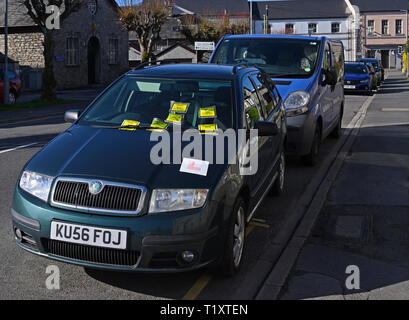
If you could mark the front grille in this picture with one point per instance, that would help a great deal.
(353, 81)
(90, 254)
(112, 197)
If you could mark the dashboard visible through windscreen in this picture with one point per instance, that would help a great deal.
(279, 57)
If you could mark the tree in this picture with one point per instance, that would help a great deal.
(146, 19)
(40, 12)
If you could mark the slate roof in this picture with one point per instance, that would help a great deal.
(301, 9)
(381, 5)
(214, 7)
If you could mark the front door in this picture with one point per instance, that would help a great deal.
(93, 60)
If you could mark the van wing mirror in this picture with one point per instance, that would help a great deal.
(329, 76)
(71, 116)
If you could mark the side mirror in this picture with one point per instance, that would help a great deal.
(266, 129)
(329, 76)
(71, 115)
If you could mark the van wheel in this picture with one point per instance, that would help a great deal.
(337, 132)
(234, 246)
(311, 159)
(278, 187)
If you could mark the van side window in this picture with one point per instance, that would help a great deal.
(251, 104)
(327, 57)
(339, 61)
(268, 103)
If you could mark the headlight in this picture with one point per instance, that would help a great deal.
(364, 81)
(36, 184)
(177, 199)
(296, 103)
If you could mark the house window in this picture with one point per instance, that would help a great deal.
(335, 27)
(398, 25)
(289, 28)
(113, 51)
(312, 28)
(371, 27)
(385, 27)
(72, 51)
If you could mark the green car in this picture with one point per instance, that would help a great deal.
(101, 195)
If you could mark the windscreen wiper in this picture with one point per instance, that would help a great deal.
(137, 127)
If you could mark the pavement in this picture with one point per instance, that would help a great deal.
(361, 234)
(83, 96)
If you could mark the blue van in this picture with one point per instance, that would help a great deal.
(308, 73)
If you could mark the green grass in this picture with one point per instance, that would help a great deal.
(36, 103)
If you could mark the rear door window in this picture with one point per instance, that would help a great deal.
(267, 101)
(251, 104)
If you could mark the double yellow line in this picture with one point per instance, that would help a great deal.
(202, 282)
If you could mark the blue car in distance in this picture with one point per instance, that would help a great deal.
(377, 68)
(358, 78)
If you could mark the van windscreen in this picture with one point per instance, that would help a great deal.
(279, 57)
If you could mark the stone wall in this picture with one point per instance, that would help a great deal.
(26, 48)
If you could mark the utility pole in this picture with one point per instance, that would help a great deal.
(266, 18)
(6, 66)
(251, 16)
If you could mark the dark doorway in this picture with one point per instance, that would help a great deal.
(93, 60)
(385, 58)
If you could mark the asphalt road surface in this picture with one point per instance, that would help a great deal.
(23, 275)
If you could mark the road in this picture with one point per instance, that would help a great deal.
(23, 275)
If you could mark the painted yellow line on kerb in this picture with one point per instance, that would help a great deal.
(202, 282)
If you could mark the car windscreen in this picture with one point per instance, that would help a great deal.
(164, 102)
(355, 69)
(291, 58)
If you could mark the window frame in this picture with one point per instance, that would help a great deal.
(387, 27)
(289, 26)
(400, 27)
(72, 51)
(113, 51)
(371, 28)
(338, 25)
(315, 29)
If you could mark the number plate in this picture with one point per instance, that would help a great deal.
(349, 87)
(92, 236)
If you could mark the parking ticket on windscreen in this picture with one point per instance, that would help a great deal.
(194, 166)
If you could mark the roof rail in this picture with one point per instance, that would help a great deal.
(243, 65)
(153, 63)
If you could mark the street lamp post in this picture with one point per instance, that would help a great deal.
(6, 68)
(251, 16)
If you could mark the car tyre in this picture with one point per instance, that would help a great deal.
(12, 98)
(311, 159)
(234, 245)
(278, 186)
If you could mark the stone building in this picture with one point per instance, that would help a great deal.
(91, 47)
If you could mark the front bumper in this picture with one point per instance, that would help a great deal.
(300, 134)
(155, 242)
(360, 87)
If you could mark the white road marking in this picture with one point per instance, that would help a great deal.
(19, 147)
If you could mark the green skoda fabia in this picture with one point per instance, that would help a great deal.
(123, 188)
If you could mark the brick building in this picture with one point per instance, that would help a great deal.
(90, 47)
